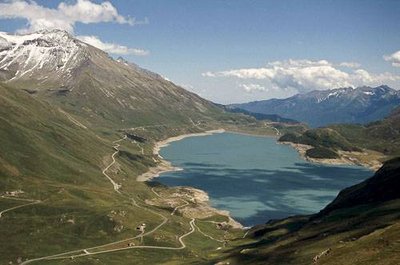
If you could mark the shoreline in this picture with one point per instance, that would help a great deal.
(165, 166)
(344, 159)
(253, 134)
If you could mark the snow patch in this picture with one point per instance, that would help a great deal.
(53, 51)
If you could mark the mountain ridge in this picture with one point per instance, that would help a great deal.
(322, 107)
(65, 138)
(100, 90)
(75, 133)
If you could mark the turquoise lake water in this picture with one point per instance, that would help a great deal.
(255, 178)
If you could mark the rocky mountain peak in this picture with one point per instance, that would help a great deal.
(45, 51)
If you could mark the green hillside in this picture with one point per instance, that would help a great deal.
(67, 203)
(69, 212)
(75, 135)
(56, 147)
(381, 136)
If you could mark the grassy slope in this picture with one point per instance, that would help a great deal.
(53, 160)
(56, 139)
(60, 163)
(30, 131)
(381, 136)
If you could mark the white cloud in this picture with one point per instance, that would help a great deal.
(361, 76)
(350, 64)
(87, 12)
(393, 58)
(112, 47)
(249, 88)
(306, 75)
(64, 16)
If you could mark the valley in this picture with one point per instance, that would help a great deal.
(82, 137)
(261, 179)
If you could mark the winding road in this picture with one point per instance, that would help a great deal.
(204, 234)
(180, 206)
(91, 251)
(277, 131)
(18, 206)
(116, 186)
(72, 119)
(86, 253)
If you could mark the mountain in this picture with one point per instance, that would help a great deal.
(382, 136)
(100, 91)
(377, 140)
(77, 128)
(361, 226)
(343, 105)
(383, 186)
(261, 116)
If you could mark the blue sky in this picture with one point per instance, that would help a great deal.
(237, 51)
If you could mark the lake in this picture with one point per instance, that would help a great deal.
(255, 178)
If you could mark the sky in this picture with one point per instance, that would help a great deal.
(233, 51)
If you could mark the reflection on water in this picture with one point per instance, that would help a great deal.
(255, 178)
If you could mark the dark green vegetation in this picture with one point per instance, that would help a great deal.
(321, 108)
(381, 136)
(321, 152)
(323, 137)
(324, 140)
(384, 186)
(261, 116)
(361, 226)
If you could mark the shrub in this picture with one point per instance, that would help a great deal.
(321, 152)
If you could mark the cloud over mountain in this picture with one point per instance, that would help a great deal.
(253, 87)
(307, 75)
(394, 58)
(66, 15)
(112, 47)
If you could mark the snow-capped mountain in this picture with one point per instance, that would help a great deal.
(342, 105)
(55, 53)
(77, 76)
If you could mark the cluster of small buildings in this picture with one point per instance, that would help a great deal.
(141, 227)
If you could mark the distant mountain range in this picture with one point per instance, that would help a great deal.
(342, 105)
(260, 116)
(377, 140)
